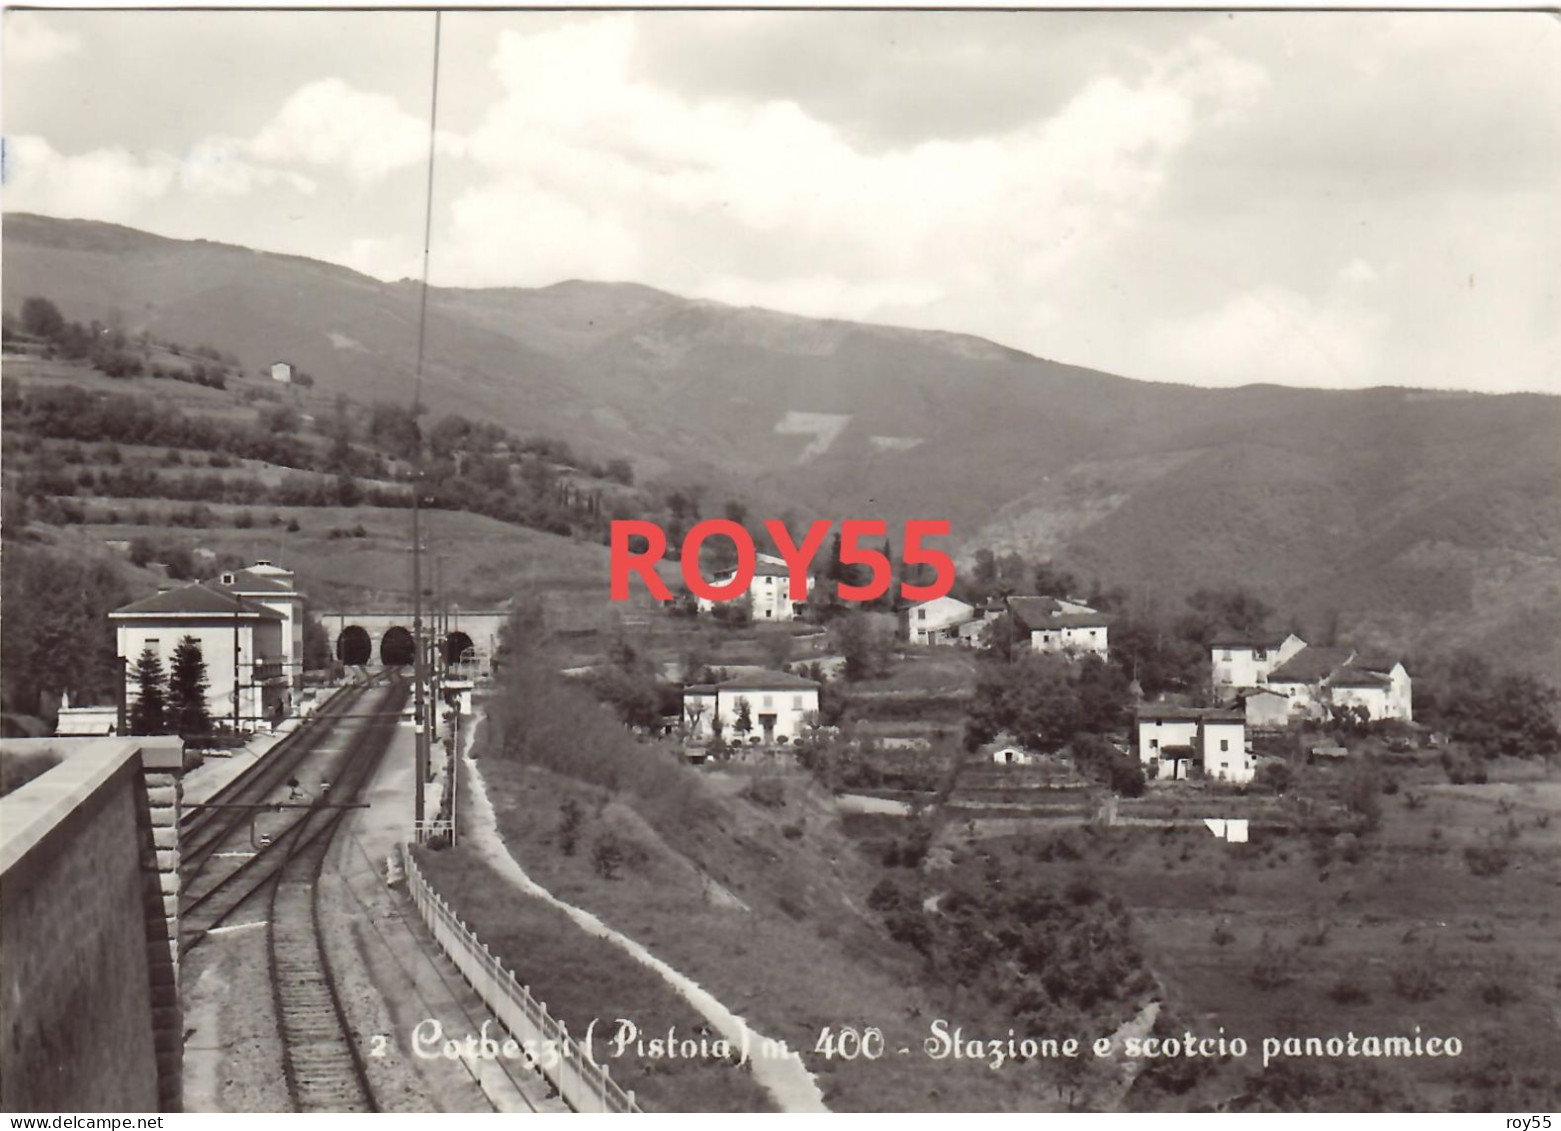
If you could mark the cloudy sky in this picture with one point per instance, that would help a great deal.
(1339, 199)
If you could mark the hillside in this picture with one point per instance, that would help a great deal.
(1417, 519)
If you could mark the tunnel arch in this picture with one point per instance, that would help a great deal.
(456, 645)
(354, 647)
(396, 648)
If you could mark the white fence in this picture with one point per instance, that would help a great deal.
(585, 1085)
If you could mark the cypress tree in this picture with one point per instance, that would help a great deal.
(148, 715)
(187, 710)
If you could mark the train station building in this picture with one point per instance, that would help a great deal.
(244, 645)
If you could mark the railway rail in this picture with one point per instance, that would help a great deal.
(322, 1063)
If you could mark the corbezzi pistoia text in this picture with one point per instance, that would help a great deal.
(628, 560)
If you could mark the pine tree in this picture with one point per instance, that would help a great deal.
(187, 710)
(149, 713)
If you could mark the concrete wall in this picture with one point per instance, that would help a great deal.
(87, 957)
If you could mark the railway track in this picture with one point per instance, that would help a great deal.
(204, 829)
(321, 1060)
(217, 882)
(322, 1064)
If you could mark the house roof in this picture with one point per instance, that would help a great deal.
(1250, 639)
(202, 599)
(1350, 676)
(760, 569)
(1375, 662)
(1074, 620)
(945, 599)
(1048, 612)
(1190, 714)
(247, 582)
(700, 689)
(765, 681)
(1309, 665)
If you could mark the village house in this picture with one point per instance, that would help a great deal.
(781, 708)
(1007, 754)
(272, 587)
(241, 642)
(1246, 659)
(282, 372)
(1264, 707)
(1379, 685)
(1172, 740)
(938, 621)
(1318, 680)
(1054, 624)
(770, 589)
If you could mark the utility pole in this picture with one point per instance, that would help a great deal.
(419, 708)
(420, 730)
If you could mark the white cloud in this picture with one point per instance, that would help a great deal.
(1271, 333)
(115, 184)
(328, 123)
(585, 170)
(217, 167)
(104, 184)
(30, 39)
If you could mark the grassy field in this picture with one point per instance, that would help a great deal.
(764, 904)
(485, 562)
(584, 979)
(1291, 935)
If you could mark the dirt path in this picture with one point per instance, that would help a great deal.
(786, 1078)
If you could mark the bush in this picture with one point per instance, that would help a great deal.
(1274, 966)
(1347, 991)
(769, 792)
(571, 818)
(792, 831)
(1493, 991)
(1489, 860)
(1416, 980)
(607, 855)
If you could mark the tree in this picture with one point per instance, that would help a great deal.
(187, 710)
(744, 720)
(866, 651)
(607, 855)
(1050, 580)
(620, 470)
(149, 714)
(42, 318)
(1034, 698)
(317, 645)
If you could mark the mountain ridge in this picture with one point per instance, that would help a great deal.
(1392, 506)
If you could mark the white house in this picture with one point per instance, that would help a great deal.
(1247, 660)
(1382, 687)
(1057, 625)
(1265, 707)
(272, 587)
(938, 621)
(770, 589)
(240, 641)
(282, 372)
(1008, 754)
(1316, 680)
(1172, 739)
(780, 707)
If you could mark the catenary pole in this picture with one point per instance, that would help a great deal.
(420, 725)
